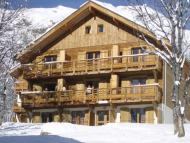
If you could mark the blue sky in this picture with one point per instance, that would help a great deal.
(68, 3)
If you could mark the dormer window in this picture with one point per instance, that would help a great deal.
(100, 28)
(87, 29)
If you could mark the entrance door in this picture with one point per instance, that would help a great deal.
(78, 117)
(92, 60)
(47, 117)
(136, 51)
(138, 115)
(102, 117)
(138, 89)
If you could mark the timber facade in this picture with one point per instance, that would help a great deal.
(91, 69)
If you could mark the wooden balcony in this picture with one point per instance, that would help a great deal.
(139, 93)
(94, 66)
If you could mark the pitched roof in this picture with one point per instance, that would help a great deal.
(37, 46)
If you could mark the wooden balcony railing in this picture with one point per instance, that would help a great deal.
(104, 65)
(139, 93)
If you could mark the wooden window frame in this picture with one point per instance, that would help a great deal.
(95, 55)
(88, 29)
(46, 65)
(136, 58)
(100, 26)
(51, 57)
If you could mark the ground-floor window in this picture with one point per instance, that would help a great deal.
(138, 115)
(47, 117)
(102, 117)
(78, 117)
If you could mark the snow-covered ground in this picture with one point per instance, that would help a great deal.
(110, 133)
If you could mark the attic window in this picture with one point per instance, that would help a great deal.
(100, 28)
(87, 29)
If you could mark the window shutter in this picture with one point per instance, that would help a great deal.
(81, 55)
(104, 54)
(149, 115)
(126, 51)
(125, 115)
(62, 56)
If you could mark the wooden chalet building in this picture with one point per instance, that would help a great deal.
(92, 69)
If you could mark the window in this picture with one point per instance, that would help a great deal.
(100, 28)
(78, 117)
(138, 89)
(47, 117)
(138, 115)
(50, 58)
(138, 81)
(136, 51)
(90, 55)
(93, 55)
(103, 117)
(87, 29)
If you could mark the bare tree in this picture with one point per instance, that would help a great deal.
(168, 20)
(9, 11)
